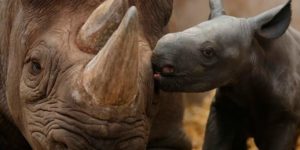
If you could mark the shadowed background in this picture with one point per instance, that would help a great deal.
(191, 12)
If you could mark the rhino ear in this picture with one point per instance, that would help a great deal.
(273, 23)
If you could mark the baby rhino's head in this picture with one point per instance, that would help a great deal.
(215, 52)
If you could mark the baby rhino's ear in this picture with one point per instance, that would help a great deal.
(273, 23)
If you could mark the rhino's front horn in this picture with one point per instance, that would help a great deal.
(100, 25)
(111, 77)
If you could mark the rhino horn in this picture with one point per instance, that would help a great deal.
(216, 8)
(100, 25)
(111, 77)
(154, 16)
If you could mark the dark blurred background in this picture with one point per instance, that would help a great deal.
(191, 12)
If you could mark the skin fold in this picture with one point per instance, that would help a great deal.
(254, 63)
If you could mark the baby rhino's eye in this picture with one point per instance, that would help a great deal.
(208, 52)
(35, 67)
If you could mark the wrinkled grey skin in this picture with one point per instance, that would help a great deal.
(254, 63)
(39, 106)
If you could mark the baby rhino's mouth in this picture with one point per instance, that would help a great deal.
(166, 71)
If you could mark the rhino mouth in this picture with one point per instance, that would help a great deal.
(67, 139)
(68, 130)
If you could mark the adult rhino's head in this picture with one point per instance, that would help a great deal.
(78, 76)
(218, 51)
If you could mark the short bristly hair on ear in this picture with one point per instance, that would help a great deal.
(273, 23)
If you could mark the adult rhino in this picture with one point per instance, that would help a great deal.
(76, 74)
(254, 63)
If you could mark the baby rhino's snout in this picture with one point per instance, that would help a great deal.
(163, 57)
(162, 66)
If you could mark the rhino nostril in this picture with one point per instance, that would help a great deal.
(156, 76)
(168, 70)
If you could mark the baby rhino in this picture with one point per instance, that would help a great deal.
(255, 64)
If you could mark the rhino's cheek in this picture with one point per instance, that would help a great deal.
(55, 125)
(31, 94)
(33, 88)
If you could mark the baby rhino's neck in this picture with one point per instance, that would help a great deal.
(274, 73)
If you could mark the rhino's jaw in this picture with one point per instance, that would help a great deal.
(76, 129)
(64, 137)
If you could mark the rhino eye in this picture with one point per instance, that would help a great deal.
(36, 68)
(208, 52)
